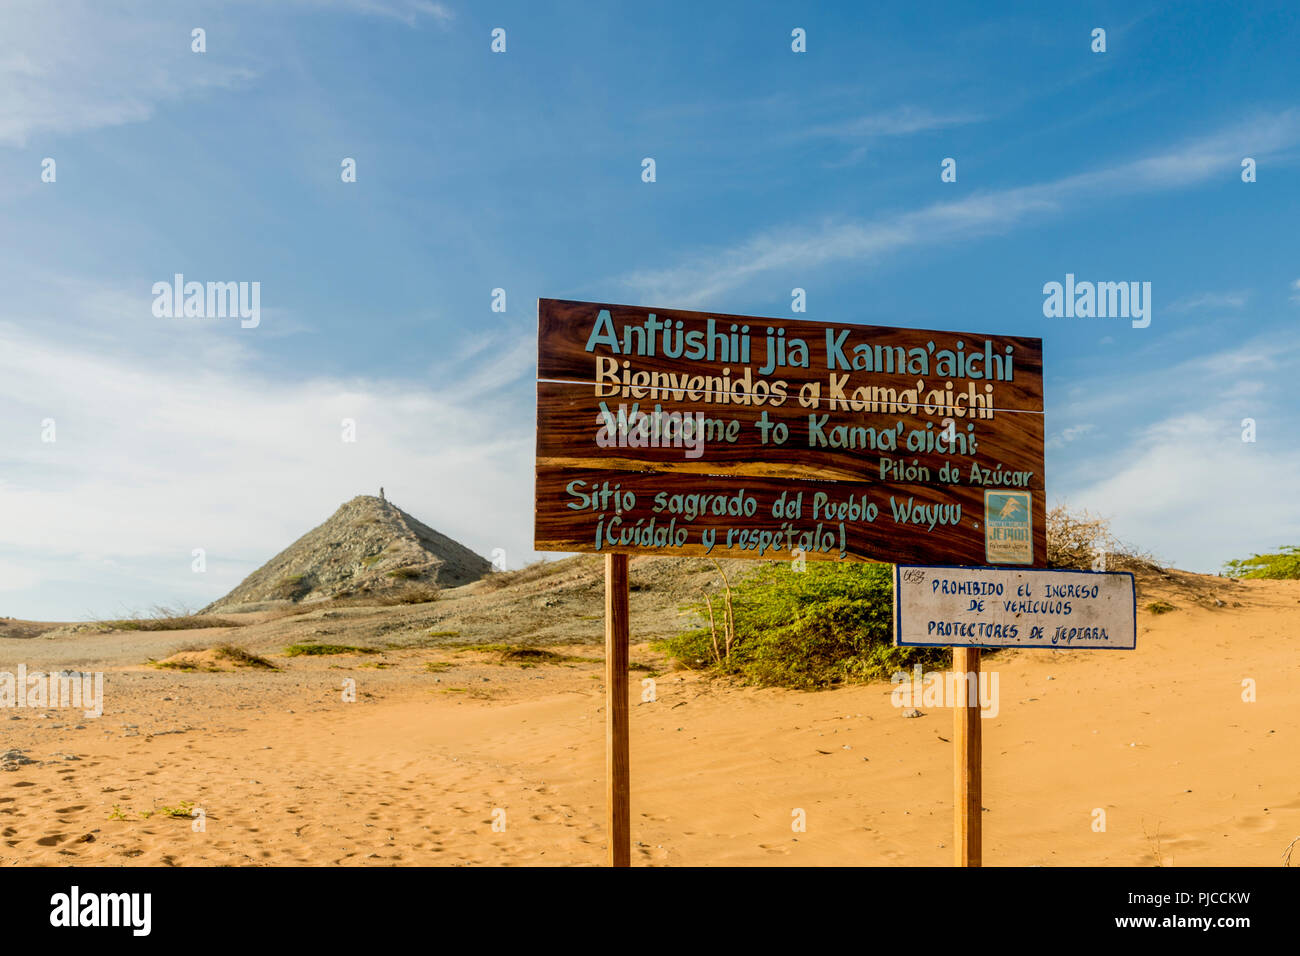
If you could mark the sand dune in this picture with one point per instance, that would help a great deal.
(411, 773)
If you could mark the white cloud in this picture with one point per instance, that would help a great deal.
(1067, 435)
(1186, 486)
(705, 276)
(903, 121)
(80, 65)
(409, 12)
(17, 577)
(154, 459)
(1210, 300)
(83, 65)
(1192, 491)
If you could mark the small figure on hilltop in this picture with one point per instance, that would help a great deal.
(381, 493)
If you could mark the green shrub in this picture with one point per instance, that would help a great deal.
(827, 625)
(1284, 564)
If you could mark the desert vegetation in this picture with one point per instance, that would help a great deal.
(1082, 541)
(1284, 564)
(780, 626)
(830, 624)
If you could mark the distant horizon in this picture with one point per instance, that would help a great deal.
(168, 606)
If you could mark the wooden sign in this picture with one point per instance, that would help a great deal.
(684, 433)
(1002, 607)
(689, 433)
(969, 608)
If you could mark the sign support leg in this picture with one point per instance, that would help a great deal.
(618, 819)
(967, 770)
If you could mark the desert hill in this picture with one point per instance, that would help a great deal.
(369, 547)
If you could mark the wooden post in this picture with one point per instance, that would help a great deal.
(967, 782)
(618, 789)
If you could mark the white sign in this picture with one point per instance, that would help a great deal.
(1002, 607)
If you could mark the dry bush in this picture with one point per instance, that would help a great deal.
(1080, 540)
(292, 588)
(1075, 539)
(185, 622)
(293, 610)
(388, 597)
(241, 657)
(504, 579)
(423, 594)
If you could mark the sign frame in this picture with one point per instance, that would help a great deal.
(913, 511)
(564, 366)
(1013, 569)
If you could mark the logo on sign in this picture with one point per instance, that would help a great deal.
(1008, 531)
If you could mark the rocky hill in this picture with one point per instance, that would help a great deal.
(369, 547)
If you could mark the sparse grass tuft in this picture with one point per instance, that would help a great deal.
(185, 666)
(525, 656)
(312, 649)
(1161, 607)
(532, 572)
(532, 655)
(184, 809)
(424, 594)
(293, 587)
(365, 597)
(242, 658)
(191, 622)
(431, 639)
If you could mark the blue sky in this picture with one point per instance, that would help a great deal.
(522, 170)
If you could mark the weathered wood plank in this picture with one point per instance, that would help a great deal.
(967, 766)
(604, 510)
(901, 444)
(671, 349)
(618, 774)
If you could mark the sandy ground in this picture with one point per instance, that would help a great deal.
(417, 768)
